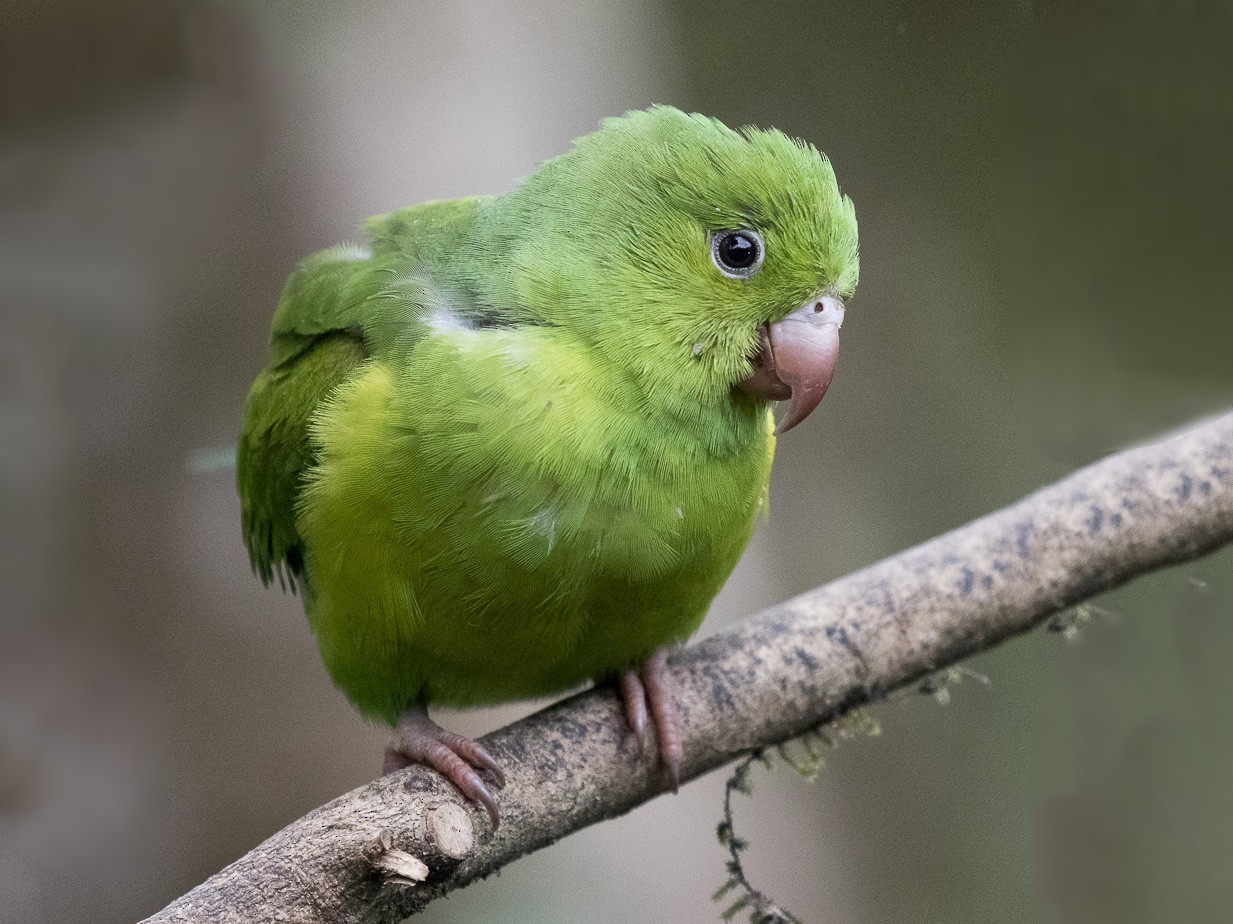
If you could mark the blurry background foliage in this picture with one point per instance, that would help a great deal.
(1045, 202)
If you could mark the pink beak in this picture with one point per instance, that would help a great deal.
(796, 359)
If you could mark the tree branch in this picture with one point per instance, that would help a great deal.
(786, 670)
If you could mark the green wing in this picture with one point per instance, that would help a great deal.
(274, 450)
(317, 341)
(340, 307)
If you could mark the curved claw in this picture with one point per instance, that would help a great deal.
(419, 740)
(475, 753)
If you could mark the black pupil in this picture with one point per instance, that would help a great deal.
(739, 251)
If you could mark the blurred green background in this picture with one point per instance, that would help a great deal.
(1045, 199)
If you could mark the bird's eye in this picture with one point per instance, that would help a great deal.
(737, 254)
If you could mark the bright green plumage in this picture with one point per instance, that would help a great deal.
(499, 448)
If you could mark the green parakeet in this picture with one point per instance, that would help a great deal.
(511, 444)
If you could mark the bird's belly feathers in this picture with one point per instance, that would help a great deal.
(486, 554)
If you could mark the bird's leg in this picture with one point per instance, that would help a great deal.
(417, 739)
(651, 689)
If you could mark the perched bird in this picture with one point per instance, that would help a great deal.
(511, 444)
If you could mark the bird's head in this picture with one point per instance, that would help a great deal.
(706, 262)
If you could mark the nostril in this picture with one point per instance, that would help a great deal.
(828, 310)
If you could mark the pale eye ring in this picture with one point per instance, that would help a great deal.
(737, 253)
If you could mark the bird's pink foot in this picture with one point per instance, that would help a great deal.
(651, 691)
(417, 739)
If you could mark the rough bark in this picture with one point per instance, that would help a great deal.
(769, 679)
